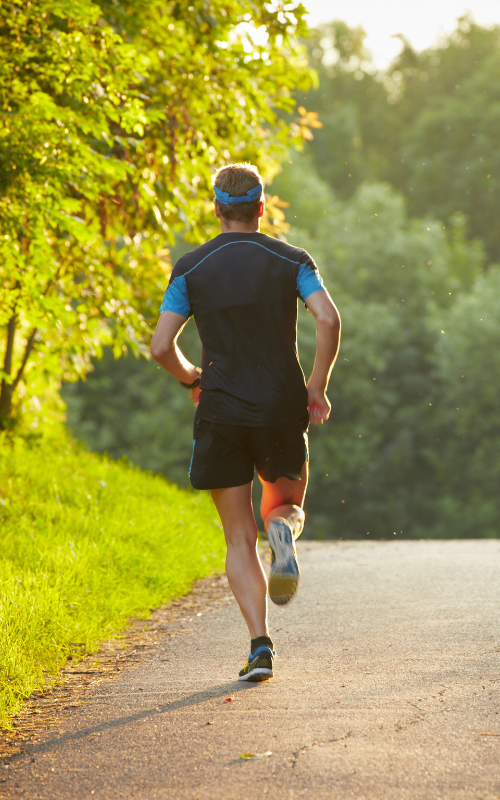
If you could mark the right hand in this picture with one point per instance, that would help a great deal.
(194, 394)
(319, 407)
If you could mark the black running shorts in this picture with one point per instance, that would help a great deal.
(227, 455)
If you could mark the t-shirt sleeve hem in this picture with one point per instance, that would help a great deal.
(320, 288)
(308, 281)
(176, 298)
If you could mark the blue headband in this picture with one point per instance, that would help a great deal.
(225, 199)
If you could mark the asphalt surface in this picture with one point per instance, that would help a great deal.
(386, 686)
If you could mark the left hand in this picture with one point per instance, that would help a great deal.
(319, 407)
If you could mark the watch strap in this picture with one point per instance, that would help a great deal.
(196, 381)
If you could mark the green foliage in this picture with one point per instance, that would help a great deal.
(412, 446)
(131, 407)
(454, 152)
(84, 545)
(429, 125)
(356, 142)
(466, 369)
(399, 222)
(112, 119)
(379, 466)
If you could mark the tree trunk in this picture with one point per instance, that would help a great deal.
(7, 390)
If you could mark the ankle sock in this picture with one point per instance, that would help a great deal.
(261, 641)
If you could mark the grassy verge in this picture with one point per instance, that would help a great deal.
(85, 543)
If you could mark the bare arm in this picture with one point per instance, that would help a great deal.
(165, 351)
(324, 311)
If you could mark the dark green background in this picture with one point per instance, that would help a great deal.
(396, 198)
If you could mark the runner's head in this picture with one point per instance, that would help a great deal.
(236, 181)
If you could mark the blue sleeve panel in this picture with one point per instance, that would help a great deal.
(308, 281)
(176, 298)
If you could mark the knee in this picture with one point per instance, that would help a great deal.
(241, 540)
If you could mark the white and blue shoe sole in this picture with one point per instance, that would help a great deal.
(284, 578)
(257, 674)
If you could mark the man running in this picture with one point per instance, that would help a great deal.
(254, 407)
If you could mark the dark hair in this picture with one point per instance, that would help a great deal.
(237, 180)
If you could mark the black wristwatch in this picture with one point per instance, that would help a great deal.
(196, 381)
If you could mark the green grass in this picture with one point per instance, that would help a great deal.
(86, 543)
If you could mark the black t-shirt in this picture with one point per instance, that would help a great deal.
(242, 290)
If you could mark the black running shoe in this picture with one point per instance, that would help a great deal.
(284, 577)
(258, 666)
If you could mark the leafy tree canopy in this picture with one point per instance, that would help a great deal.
(411, 445)
(112, 117)
(379, 465)
(430, 124)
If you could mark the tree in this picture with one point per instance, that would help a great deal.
(131, 408)
(429, 124)
(376, 466)
(357, 141)
(412, 445)
(452, 151)
(466, 363)
(392, 457)
(112, 118)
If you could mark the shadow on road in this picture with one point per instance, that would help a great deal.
(212, 693)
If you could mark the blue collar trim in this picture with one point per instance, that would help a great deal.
(226, 199)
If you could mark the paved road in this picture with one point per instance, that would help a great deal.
(387, 686)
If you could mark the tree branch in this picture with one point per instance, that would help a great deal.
(27, 352)
(9, 348)
(6, 389)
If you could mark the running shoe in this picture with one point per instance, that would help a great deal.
(284, 577)
(258, 666)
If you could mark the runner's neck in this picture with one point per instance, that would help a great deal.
(240, 227)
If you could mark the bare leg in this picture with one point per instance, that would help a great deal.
(243, 568)
(284, 499)
(283, 517)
